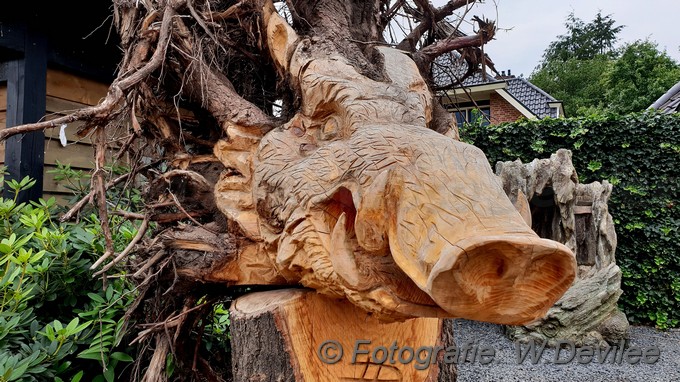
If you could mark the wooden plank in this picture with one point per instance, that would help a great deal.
(52, 185)
(57, 107)
(77, 89)
(62, 106)
(3, 119)
(70, 131)
(77, 155)
(3, 97)
(582, 210)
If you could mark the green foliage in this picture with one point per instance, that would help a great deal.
(573, 66)
(640, 155)
(639, 77)
(582, 69)
(577, 83)
(56, 321)
(584, 41)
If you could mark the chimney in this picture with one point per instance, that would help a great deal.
(505, 76)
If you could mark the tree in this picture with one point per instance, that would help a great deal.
(577, 83)
(639, 76)
(573, 65)
(584, 41)
(286, 144)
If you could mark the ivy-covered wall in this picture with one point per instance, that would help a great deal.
(640, 155)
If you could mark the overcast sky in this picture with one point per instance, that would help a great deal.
(532, 24)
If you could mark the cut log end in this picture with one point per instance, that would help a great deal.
(305, 336)
(504, 280)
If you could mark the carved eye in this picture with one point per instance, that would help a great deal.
(298, 132)
(330, 129)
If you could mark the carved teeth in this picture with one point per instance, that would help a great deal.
(370, 226)
(342, 257)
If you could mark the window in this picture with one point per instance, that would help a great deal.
(471, 114)
(554, 112)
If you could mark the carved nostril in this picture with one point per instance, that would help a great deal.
(500, 268)
(508, 279)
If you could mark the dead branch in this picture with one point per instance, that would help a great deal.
(230, 12)
(88, 198)
(201, 22)
(173, 217)
(156, 370)
(217, 94)
(149, 263)
(170, 322)
(410, 42)
(140, 234)
(99, 187)
(129, 215)
(390, 13)
(487, 30)
(106, 106)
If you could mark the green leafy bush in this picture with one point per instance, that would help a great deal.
(56, 321)
(640, 155)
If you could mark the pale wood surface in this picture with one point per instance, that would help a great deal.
(355, 197)
(303, 320)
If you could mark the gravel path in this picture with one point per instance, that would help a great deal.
(503, 366)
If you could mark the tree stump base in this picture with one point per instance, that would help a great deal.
(299, 335)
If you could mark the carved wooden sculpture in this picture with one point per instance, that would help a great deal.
(360, 190)
(577, 215)
(355, 197)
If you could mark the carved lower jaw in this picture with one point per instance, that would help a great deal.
(368, 291)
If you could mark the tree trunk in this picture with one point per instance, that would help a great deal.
(283, 335)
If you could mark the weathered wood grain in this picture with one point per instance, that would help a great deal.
(355, 197)
(289, 328)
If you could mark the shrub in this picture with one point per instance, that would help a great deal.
(56, 321)
(640, 155)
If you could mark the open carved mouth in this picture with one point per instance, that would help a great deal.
(503, 278)
(370, 273)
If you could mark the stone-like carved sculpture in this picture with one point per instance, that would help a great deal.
(355, 197)
(577, 215)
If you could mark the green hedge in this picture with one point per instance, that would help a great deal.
(640, 155)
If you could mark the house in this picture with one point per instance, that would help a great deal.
(500, 98)
(52, 60)
(669, 102)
